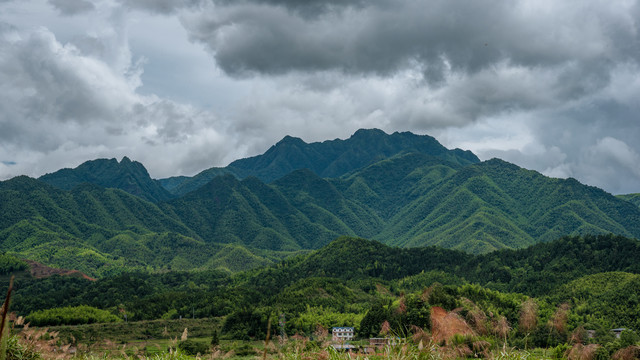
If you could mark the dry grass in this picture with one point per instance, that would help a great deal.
(582, 352)
(629, 353)
(477, 318)
(528, 316)
(444, 325)
(560, 317)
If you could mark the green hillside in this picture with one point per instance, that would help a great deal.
(248, 212)
(180, 185)
(407, 200)
(362, 283)
(335, 158)
(535, 271)
(401, 189)
(608, 300)
(495, 204)
(95, 230)
(632, 198)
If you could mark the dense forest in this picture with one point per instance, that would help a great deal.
(362, 283)
(107, 217)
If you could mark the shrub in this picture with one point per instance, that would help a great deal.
(191, 347)
(70, 316)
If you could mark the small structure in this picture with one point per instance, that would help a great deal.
(342, 334)
(382, 342)
(617, 332)
(344, 348)
(378, 342)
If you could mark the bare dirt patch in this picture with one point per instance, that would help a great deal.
(40, 271)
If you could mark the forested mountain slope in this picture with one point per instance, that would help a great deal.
(632, 198)
(335, 158)
(408, 200)
(250, 212)
(611, 295)
(405, 199)
(495, 204)
(536, 271)
(98, 231)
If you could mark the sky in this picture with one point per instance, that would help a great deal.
(185, 85)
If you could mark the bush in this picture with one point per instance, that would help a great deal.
(628, 338)
(71, 316)
(601, 354)
(240, 349)
(191, 347)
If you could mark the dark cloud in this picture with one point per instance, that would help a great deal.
(562, 76)
(263, 37)
(548, 85)
(161, 6)
(72, 7)
(306, 8)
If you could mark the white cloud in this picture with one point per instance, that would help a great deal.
(62, 107)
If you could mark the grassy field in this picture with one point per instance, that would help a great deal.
(126, 332)
(192, 339)
(161, 340)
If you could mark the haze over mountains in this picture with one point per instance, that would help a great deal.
(401, 189)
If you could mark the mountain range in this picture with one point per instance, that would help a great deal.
(401, 189)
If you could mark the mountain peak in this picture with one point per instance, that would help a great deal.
(338, 157)
(130, 176)
(369, 133)
(291, 140)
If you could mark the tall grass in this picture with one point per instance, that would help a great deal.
(4, 329)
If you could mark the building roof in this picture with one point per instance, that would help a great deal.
(344, 347)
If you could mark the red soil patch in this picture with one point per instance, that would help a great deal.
(446, 324)
(40, 271)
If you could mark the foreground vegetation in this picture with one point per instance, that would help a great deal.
(35, 344)
(562, 298)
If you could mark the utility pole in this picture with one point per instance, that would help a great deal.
(282, 322)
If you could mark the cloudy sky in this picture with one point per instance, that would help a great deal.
(184, 85)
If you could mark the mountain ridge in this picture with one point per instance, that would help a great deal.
(330, 158)
(404, 198)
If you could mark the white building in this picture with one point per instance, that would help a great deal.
(342, 334)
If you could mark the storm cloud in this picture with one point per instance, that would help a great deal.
(160, 6)
(185, 85)
(72, 7)
(437, 37)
